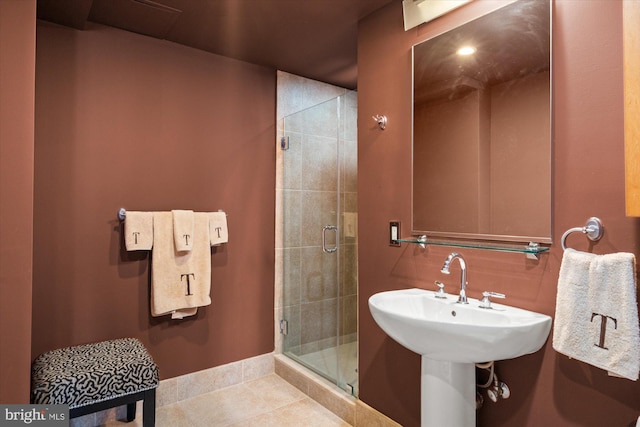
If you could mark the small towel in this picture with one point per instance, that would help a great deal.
(180, 281)
(183, 230)
(597, 312)
(138, 231)
(218, 232)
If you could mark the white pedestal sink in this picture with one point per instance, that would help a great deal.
(452, 338)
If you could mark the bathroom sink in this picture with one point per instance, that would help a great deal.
(442, 329)
(452, 338)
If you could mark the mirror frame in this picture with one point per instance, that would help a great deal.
(454, 235)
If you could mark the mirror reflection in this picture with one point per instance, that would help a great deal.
(482, 128)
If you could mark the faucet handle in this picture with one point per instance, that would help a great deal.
(485, 302)
(440, 292)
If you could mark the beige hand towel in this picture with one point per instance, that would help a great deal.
(183, 230)
(597, 312)
(180, 281)
(138, 231)
(218, 232)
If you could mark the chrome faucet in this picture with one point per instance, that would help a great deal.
(462, 299)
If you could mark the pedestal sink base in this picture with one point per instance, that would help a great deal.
(448, 394)
(451, 337)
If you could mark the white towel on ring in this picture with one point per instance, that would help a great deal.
(597, 312)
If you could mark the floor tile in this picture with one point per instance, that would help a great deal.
(268, 401)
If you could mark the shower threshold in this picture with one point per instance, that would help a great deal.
(325, 363)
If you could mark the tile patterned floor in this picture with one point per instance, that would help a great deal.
(265, 402)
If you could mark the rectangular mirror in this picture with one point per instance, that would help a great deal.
(482, 128)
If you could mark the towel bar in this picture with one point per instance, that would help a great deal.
(593, 229)
(122, 213)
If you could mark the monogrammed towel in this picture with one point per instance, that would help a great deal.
(218, 232)
(138, 231)
(180, 281)
(597, 313)
(183, 229)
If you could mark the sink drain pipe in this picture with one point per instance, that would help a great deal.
(495, 388)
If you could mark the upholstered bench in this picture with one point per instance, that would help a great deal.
(94, 377)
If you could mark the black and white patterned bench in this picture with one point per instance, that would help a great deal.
(95, 377)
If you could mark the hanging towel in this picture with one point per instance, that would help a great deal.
(183, 230)
(185, 312)
(180, 281)
(138, 231)
(597, 313)
(218, 232)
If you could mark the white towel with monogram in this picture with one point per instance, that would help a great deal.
(183, 229)
(597, 312)
(138, 231)
(180, 281)
(218, 232)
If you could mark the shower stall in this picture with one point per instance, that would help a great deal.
(319, 242)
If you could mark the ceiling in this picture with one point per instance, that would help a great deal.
(316, 39)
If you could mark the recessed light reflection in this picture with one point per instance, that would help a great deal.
(466, 50)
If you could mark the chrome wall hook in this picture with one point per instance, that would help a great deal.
(381, 120)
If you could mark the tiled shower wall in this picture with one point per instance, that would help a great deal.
(310, 186)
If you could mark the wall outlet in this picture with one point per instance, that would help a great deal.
(394, 233)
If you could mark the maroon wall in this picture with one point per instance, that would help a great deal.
(124, 120)
(448, 130)
(547, 388)
(17, 74)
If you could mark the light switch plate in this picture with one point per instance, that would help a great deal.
(394, 233)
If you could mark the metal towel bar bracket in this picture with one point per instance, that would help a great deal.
(593, 229)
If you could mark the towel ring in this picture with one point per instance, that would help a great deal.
(593, 229)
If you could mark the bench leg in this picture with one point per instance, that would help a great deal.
(131, 411)
(149, 408)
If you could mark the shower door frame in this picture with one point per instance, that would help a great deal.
(316, 218)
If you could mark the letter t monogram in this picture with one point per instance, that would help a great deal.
(603, 327)
(188, 275)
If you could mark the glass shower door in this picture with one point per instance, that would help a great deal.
(319, 305)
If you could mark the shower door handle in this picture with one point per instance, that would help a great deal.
(324, 239)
